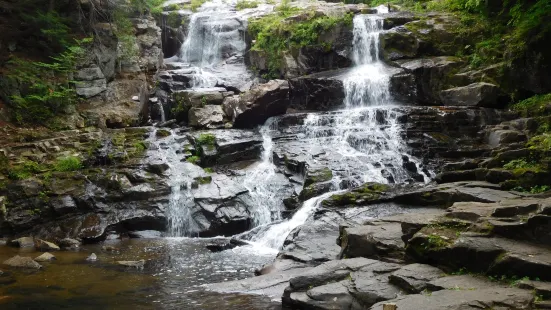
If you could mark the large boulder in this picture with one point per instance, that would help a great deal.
(90, 82)
(254, 107)
(477, 94)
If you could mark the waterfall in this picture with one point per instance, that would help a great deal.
(216, 34)
(261, 184)
(368, 83)
(367, 133)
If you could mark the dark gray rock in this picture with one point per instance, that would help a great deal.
(377, 240)
(255, 106)
(414, 278)
(477, 94)
(320, 91)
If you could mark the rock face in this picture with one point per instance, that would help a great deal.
(255, 106)
(476, 94)
(320, 91)
(209, 116)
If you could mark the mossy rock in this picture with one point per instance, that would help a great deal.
(162, 133)
(317, 176)
(203, 180)
(367, 193)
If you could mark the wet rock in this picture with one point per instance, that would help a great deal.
(22, 262)
(156, 166)
(132, 264)
(43, 245)
(23, 242)
(46, 257)
(317, 175)
(321, 91)
(399, 43)
(231, 145)
(145, 234)
(315, 189)
(92, 258)
(255, 106)
(477, 94)
(65, 205)
(110, 248)
(414, 278)
(221, 245)
(498, 138)
(69, 244)
(6, 278)
(367, 193)
(209, 116)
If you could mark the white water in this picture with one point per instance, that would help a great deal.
(367, 129)
(261, 182)
(215, 44)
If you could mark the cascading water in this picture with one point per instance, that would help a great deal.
(214, 46)
(367, 134)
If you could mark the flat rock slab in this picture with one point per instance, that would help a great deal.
(271, 284)
(372, 241)
(354, 283)
(461, 282)
(487, 298)
(414, 278)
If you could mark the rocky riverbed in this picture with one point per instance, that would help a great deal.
(374, 169)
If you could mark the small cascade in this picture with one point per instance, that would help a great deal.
(215, 44)
(262, 184)
(274, 236)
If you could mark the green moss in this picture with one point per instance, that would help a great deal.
(206, 139)
(317, 176)
(194, 160)
(203, 180)
(366, 193)
(182, 104)
(71, 163)
(245, 4)
(25, 170)
(208, 170)
(274, 35)
(161, 133)
(534, 106)
(196, 4)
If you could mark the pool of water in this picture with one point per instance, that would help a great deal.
(174, 276)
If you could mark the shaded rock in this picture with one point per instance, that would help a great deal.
(22, 262)
(255, 106)
(321, 91)
(477, 94)
(317, 175)
(145, 234)
(414, 278)
(497, 138)
(398, 43)
(68, 243)
(23, 242)
(46, 257)
(132, 264)
(43, 245)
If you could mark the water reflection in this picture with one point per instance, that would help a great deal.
(176, 270)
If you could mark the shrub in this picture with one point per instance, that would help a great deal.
(246, 4)
(206, 139)
(71, 163)
(194, 160)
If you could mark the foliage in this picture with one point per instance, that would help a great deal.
(273, 36)
(46, 88)
(246, 4)
(51, 29)
(144, 6)
(519, 164)
(533, 106)
(25, 170)
(70, 163)
(194, 159)
(540, 142)
(206, 139)
(196, 4)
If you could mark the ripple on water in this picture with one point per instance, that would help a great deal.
(173, 278)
